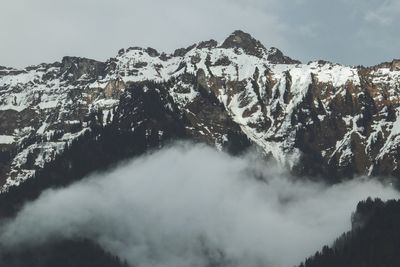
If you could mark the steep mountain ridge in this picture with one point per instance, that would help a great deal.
(318, 118)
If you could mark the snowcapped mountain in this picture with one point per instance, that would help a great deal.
(317, 119)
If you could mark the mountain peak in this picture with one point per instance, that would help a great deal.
(241, 39)
(251, 46)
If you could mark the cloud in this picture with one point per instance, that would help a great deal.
(189, 204)
(377, 17)
(385, 14)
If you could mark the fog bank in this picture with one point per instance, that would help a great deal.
(189, 205)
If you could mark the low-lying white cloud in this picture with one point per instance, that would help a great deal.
(189, 205)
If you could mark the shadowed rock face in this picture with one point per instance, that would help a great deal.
(82, 68)
(240, 39)
(277, 57)
(395, 66)
(319, 119)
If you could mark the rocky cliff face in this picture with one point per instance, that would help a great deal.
(318, 119)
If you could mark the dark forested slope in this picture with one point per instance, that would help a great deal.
(374, 240)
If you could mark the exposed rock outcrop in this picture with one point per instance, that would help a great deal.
(318, 119)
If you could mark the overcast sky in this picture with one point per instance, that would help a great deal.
(346, 31)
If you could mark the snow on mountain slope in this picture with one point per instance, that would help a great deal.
(315, 118)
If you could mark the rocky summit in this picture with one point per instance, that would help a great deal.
(318, 119)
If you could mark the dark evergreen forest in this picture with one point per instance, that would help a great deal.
(374, 240)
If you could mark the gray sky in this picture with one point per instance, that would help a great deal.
(345, 31)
